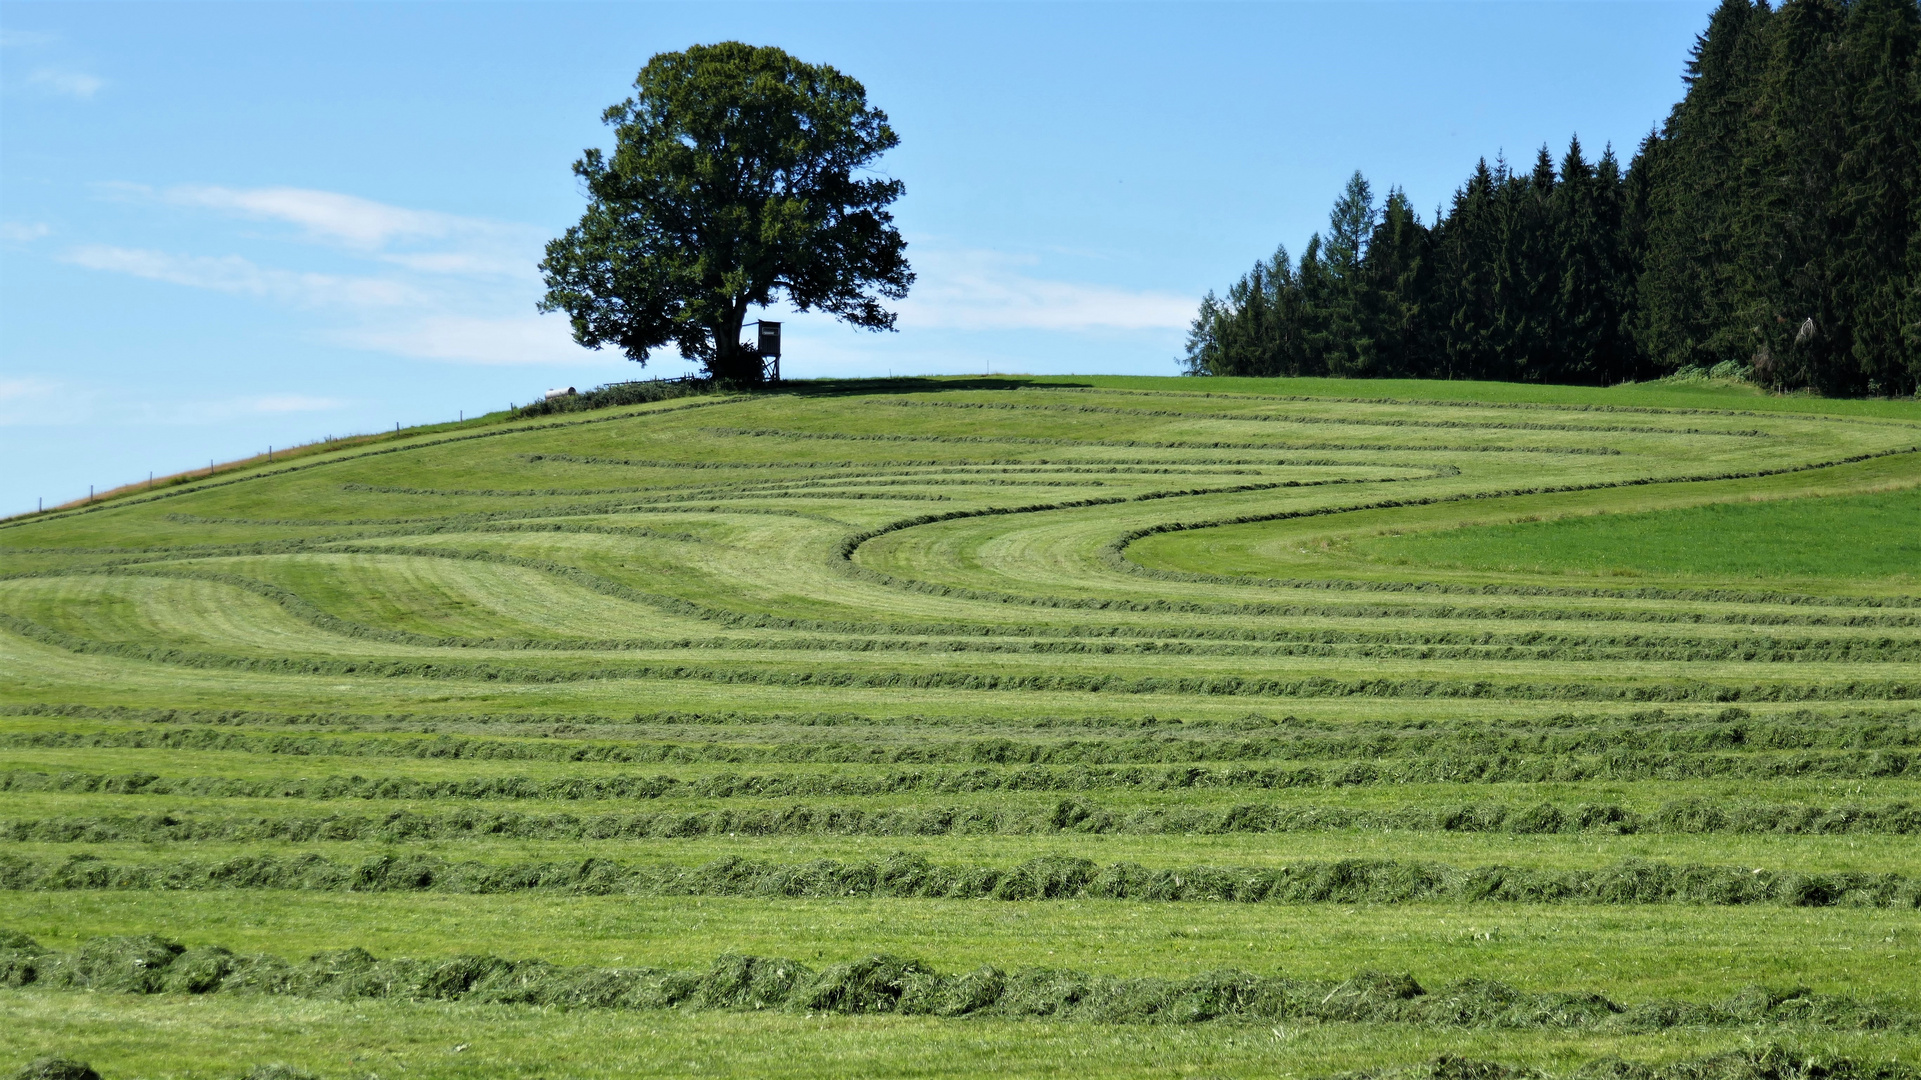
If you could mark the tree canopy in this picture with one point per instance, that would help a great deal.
(738, 176)
(1771, 227)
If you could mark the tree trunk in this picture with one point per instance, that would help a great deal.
(730, 360)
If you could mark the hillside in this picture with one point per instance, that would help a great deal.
(1094, 726)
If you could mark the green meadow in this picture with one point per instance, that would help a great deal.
(1050, 727)
(1838, 536)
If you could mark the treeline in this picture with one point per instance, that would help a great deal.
(1769, 230)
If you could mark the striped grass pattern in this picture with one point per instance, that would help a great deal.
(1105, 726)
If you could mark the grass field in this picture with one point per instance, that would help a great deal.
(1049, 727)
(1840, 536)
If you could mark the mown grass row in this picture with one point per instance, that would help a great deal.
(955, 474)
(883, 984)
(1499, 769)
(1093, 465)
(1124, 641)
(1773, 1061)
(1639, 734)
(847, 489)
(1730, 727)
(1780, 409)
(1348, 421)
(1683, 816)
(543, 519)
(912, 876)
(1267, 610)
(1212, 686)
(1249, 735)
(1149, 444)
(1283, 609)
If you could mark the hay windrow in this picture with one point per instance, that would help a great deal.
(1775, 1061)
(1463, 769)
(1733, 731)
(883, 984)
(1090, 683)
(909, 876)
(1072, 815)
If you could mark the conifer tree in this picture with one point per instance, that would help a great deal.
(1526, 280)
(1878, 194)
(1781, 268)
(1350, 226)
(1685, 296)
(1467, 244)
(1320, 294)
(1584, 316)
(1397, 285)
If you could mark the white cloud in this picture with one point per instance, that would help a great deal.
(326, 214)
(289, 403)
(76, 84)
(223, 410)
(233, 274)
(22, 232)
(25, 389)
(40, 402)
(528, 339)
(30, 401)
(465, 263)
(464, 245)
(25, 39)
(984, 290)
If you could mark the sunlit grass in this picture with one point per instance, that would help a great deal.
(1064, 611)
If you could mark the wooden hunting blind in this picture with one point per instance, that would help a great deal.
(766, 345)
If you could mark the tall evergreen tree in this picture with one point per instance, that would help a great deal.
(1397, 286)
(1350, 225)
(1203, 355)
(1622, 236)
(1585, 314)
(1686, 296)
(1466, 244)
(1783, 310)
(1526, 279)
(1877, 194)
(1255, 329)
(1320, 295)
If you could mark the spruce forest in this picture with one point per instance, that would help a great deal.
(1770, 229)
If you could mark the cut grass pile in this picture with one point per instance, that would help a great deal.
(148, 964)
(1074, 726)
(1348, 881)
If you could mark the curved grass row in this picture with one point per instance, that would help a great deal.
(1136, 659)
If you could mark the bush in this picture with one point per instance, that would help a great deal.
(635, 392)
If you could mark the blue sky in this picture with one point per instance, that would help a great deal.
(224, 227)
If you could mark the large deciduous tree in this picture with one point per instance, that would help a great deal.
(739, 175)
